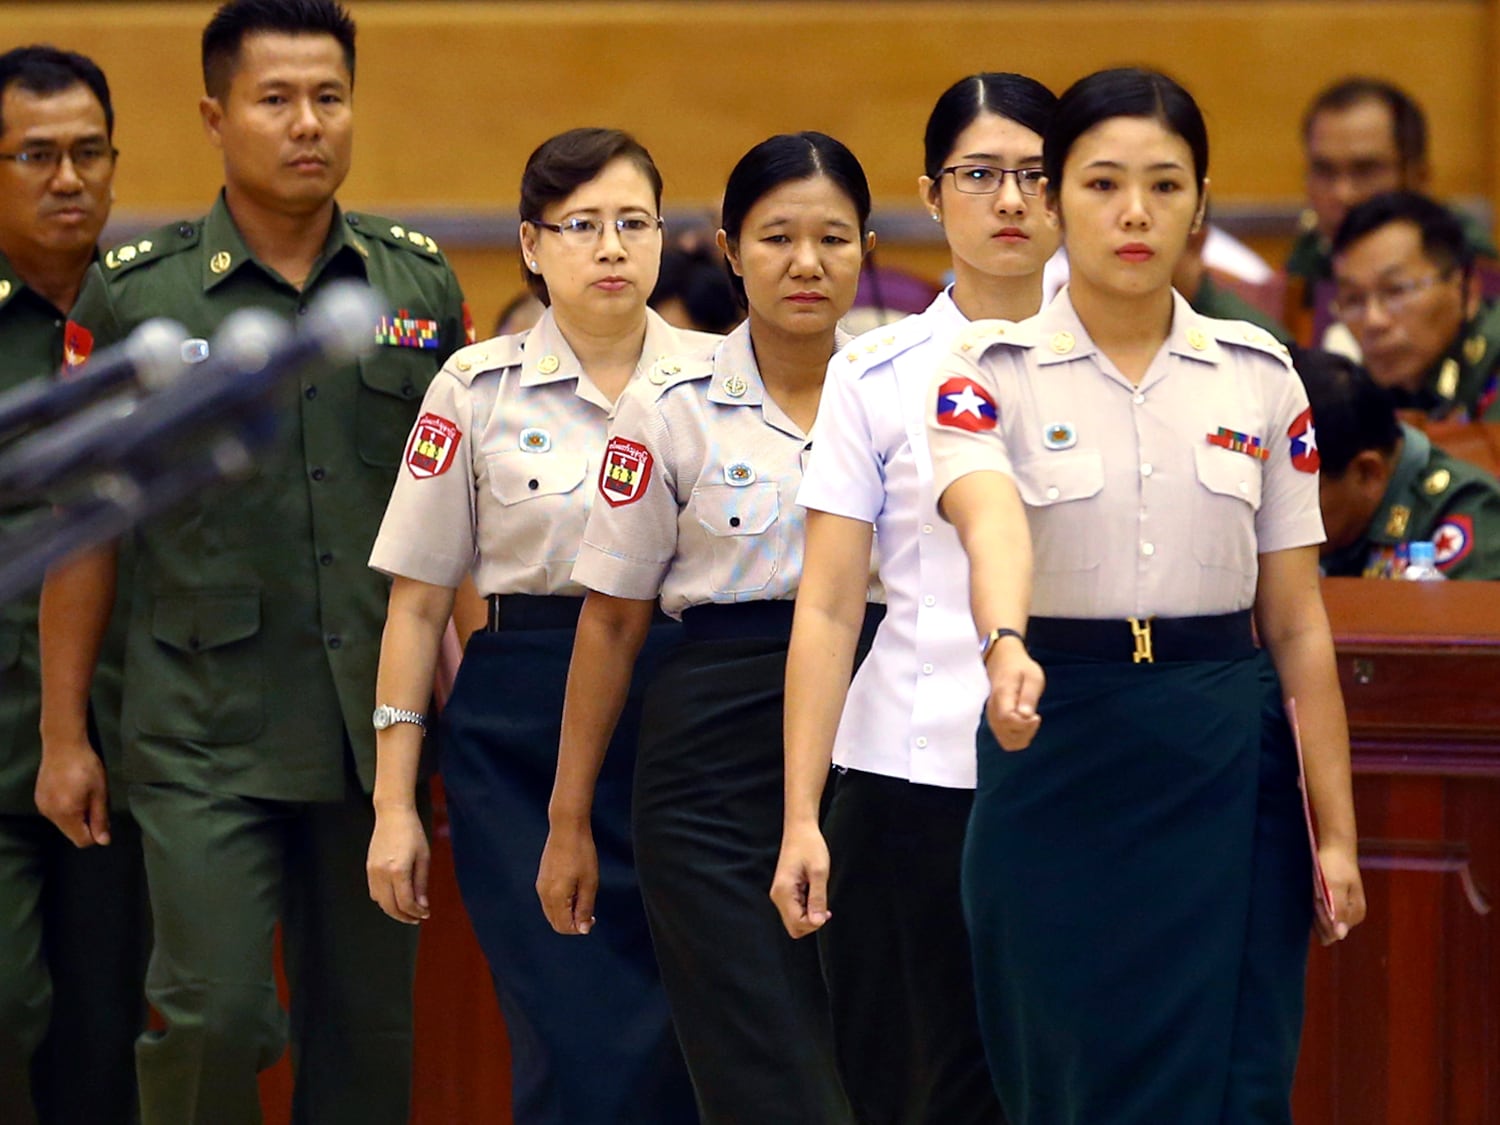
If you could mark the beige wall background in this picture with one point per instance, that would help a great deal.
(452, 96)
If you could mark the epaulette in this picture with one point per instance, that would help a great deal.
(160, 243)
(393, 234)
(983, 335)
(672, 370)
(496, 354)
(1243, 334)
(880, 345)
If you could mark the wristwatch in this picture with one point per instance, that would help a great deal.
(386, 715)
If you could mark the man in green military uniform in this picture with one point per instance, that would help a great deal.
(73, 927)
(1193, 279)
(255, 628)
(1383, 485)
(1361, 137)
(1406, 289)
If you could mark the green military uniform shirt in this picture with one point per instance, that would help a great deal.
(1225, 304)
(1465, 382)
(1435, 497)
(31, 339)
(1311, 260)
(255, 627)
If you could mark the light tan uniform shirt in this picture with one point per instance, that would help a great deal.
(699, 488)
(499, 469)
(1142, 500)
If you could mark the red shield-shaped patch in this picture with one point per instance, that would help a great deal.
(1303, 436)
(625, 473)
(78, 345)
(433, 444)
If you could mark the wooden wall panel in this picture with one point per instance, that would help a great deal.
(452, 96)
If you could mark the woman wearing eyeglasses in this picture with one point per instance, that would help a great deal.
(1133, 484)
(894, 946)
(698, 508)
(498, 482)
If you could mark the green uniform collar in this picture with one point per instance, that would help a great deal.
(1458, 376)
(225, 251)
(1389, 526)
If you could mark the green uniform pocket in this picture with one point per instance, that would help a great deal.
(200, 675)
(391, 384)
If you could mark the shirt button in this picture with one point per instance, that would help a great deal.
(927, 669)
(1148, 549)
(533, 484)
(317, 474)
(1138, 399)
(326, 559)
(922, 743)
(335, 641)
(734, 521)
(929, 600)
(927, 529)
(1146, 469)
(1053, 494)
(310, 393)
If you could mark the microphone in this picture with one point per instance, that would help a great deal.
(251, 352)
(151, 358)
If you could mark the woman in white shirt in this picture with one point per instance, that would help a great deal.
(895, 954)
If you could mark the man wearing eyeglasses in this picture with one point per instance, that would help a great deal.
(1361, 136)
(255, 624)
(1404, 285)
(73, 929)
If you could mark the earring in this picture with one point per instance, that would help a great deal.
(532, 265)
(937, 218)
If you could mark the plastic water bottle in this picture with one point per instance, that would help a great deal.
(1421, 563)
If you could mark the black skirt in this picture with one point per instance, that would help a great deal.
(1138, 891)
(590, 1033)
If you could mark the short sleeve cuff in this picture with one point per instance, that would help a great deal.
(618, 577)
(404, 561)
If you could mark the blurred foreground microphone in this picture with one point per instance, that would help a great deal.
(150, 358)
(251, 352)
(117, 469)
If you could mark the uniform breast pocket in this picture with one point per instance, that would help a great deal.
(740, 522)
(1224, 507)
(391, 384)
(543, 506)
(199, 674)
(1057, 488)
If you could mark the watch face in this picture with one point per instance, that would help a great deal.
(381, 718)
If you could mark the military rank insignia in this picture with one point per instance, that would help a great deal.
(625, 473)
(78, 344)
(964, 405)
(432, 446)
(1303, 437)
(406, 331)
(1236, 442)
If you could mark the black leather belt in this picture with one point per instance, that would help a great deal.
(536, 611)
(1146, 640)
(532, 611)
(736, 621)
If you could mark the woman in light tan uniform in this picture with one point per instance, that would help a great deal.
(497, 484)
(698, 509)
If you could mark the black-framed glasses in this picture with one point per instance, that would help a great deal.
(87, 157)
(579, 231)
(1393, 297)
(985, 179)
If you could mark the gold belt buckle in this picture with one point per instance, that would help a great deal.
(1141, 631)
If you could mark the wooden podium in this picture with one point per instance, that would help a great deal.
(1403, 1019)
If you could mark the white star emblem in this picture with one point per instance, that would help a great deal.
(1310, 438)
(966, 401)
